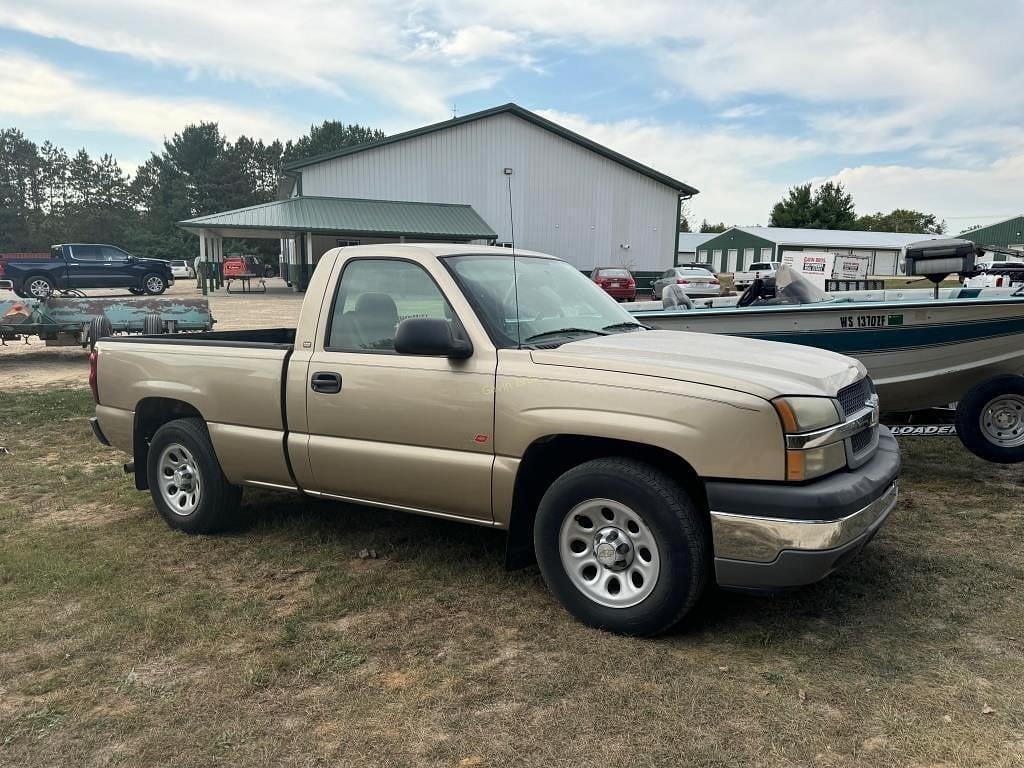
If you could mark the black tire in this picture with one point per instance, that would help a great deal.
(219, 502)
(153, 325)
(154, 284)
(30, 287)
(136, 292)
(99, 328)
(681, 532)
(983, 437)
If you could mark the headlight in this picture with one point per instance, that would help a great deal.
(803, 414)
(806, 414)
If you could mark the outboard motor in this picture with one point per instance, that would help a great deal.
(938, 259)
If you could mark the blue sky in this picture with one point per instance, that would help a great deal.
(912, 104)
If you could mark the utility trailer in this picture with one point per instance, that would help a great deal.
(60, 321)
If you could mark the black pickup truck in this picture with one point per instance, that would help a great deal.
(85, 265)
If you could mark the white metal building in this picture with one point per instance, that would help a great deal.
(569, 196)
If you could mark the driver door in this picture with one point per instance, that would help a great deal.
(404, 431)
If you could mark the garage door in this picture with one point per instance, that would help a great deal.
(733, 255)
(885, 263)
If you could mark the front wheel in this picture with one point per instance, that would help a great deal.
(186, 481)
(990, 420)
(622, 546)
(154, 284)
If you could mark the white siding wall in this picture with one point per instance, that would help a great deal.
(568, 200)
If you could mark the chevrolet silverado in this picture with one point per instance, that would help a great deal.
(85, 265)
(636, 466)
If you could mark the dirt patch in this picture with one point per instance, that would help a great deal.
(54, 513)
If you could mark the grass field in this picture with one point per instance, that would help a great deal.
(123, 643)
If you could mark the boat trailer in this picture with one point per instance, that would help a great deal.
(66, 321)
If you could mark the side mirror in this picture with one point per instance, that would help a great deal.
(431, 336)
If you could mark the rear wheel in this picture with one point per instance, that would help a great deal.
(39, 287)
(622, 546)
(154, 284)
(186, 481)
(990, 420)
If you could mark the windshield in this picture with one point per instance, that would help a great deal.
(556, 302)
(793, 288)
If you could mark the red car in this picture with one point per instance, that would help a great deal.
(617, 282)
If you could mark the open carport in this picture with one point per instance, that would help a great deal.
(310, 226)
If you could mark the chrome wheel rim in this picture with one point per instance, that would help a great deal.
(39, 288)
(1002, 421)
(154, 284)
(180, 482)
(609, 553)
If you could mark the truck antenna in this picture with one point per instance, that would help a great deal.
(515, 275)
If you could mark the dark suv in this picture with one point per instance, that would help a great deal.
(88, 265)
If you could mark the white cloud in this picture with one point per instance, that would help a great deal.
(476, 43)
(743, 112)
(34, 89)
(963, 196)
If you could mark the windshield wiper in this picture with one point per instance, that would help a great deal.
(561, 331)
(627, 324)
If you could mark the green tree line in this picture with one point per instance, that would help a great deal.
(830, 206)
(49, 196)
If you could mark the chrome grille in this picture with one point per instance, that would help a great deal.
(853, 397)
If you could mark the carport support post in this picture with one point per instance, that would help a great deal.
(202, 259)
(307, 259)
(218, 251)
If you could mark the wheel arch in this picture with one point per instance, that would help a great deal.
(548, 457)
(151, 413)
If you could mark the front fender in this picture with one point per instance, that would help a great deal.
(720, 433)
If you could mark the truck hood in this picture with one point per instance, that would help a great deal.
(763, 368)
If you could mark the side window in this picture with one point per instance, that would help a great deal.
(669, 273)
(374, 296)
(85, 252)
(113, 254)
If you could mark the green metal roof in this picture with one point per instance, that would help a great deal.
(353, 216)
(513, 109)
(1004, 233)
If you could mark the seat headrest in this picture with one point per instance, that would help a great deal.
(377, 304)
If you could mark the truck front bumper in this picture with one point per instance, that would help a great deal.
(770, 536)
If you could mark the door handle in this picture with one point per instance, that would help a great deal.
(325, 382)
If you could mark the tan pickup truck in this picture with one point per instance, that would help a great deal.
(459, 381)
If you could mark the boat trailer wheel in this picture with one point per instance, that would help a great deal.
(1002, 421)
